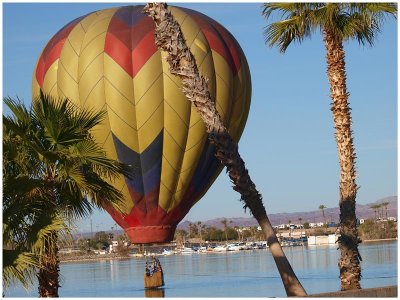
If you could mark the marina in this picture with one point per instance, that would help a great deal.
(240, 246)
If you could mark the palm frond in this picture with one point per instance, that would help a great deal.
(19, 111)
(296, 24)
(19, 266)
(359, 21)
(42, 232)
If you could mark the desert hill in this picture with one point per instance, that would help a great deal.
(331, 214)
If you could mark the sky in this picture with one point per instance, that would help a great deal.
(288, 143)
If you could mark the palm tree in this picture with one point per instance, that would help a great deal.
(225, 222)
(375, 207)
(239, 231)
(169, 37)
(201, 228)
(338, 22)
(26, 224)
(385, 205)
(290, 228)
(322, 208)
(300, 225)
(71, 169)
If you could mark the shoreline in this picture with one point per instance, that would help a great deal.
(96, 258)
(93, 259)
(379, 240)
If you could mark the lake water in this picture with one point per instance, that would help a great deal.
(231, 274)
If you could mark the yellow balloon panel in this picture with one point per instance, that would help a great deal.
(147, 76)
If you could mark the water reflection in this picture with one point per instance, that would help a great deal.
(239, 274)
(154, 293)
(377, 253)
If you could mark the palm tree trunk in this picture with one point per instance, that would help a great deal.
(48, 275)
(169, 37)
(349, 262)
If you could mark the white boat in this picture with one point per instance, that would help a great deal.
(202, 250)
(167, 252)
(233, 247)
(186, 250)
(220, 249)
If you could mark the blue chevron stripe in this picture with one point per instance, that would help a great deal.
(147, 164)
(130, 14)
(207, 166)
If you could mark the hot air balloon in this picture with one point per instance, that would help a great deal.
(107, 60)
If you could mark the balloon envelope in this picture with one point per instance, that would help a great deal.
(107, 60)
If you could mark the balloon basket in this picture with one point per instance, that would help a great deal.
(154, 281)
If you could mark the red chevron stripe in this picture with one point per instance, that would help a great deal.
(118, 51)
(121, 31)
(218, 38)
(146, 210)
(233, 46)
(117, 216)
(141, 54)
(130, 47)
(53, 49)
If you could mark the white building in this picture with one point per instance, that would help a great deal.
(314, 225)
(322, 239)
(113, 246)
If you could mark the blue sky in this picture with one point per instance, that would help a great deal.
(288, 143)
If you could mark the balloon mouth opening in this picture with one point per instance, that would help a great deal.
(151, 234)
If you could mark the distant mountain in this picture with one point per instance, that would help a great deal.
(331, 214)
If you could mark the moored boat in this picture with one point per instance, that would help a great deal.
(167, 252)
(220, 248)
(186, 250)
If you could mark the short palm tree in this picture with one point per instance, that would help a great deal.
(26, 224)
(169, 38)
(72, 171)
(338, 23)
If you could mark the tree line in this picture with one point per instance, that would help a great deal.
(227, 233)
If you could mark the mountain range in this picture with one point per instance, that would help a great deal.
(363, 211)
(331, 214)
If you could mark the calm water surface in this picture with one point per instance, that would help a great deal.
(231, 274)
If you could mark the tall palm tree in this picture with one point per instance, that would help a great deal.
(201, 228)
(239, 231)
(385, 205)
(290, 228)
(225, 223)
(375, 207)
(169, 37)
(338, 22)
(72, 170)
(300, 225)
(322, 208)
